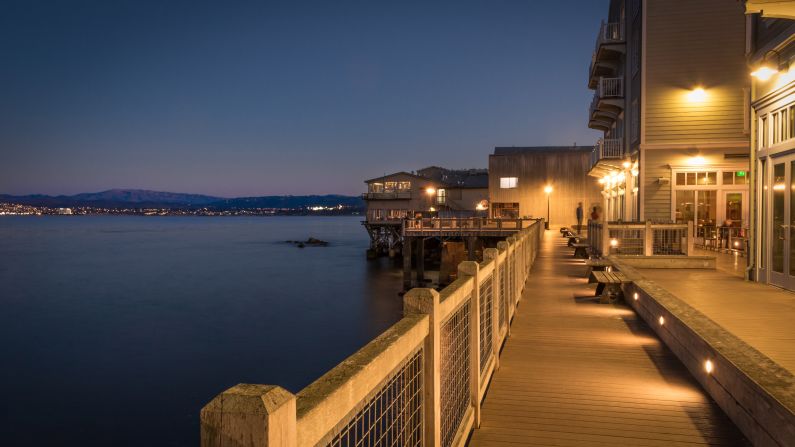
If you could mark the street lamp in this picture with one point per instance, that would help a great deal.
(548, 191)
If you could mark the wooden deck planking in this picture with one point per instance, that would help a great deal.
(760, 314)
(578, 373)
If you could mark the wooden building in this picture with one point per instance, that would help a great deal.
(429, 192)
(671, 98)
(521, 176)
(771, 45)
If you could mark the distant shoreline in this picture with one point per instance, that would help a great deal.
(14, 209)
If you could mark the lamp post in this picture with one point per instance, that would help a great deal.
(431, 191)
(548, 191)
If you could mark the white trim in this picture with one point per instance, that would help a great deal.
(746, 144)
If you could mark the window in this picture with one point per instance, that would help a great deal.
(441, 196)
(509, 182)
(376, 187)
(763, 132)
(505, 210)
(735, 178)
(696, 178)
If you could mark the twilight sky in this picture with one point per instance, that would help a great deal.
(240, 98)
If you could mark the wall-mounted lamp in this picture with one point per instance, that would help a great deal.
(430, 190)
(698, 94)
(708, 366)
(635, 296)
(661, 320)
(627, 164)
(768, 68)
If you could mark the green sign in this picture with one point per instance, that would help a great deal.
(740, 173)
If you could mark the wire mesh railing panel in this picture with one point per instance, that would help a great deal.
(669, 241)
(626, 241)
(454, 370)
(486, 331)
(594, 237)
(503, 299)
(393, 416)
(512, 280)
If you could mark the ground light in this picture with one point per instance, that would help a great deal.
(635, 296)
(708, 366)
(661, 320)
(614, 242)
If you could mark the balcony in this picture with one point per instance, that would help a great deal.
(610, 47)
(607, 103)
(607, 156)
(390, 195)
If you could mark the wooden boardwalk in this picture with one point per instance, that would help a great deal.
(578, 373)
(760, 314)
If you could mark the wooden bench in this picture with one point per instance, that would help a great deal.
(563, 230)
(596, 265)
(573, 239)
(580, 250)
(609, 284)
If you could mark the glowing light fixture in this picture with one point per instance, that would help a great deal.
(602, 181)
(626, 164)
(661, 320)
(767, 69)
(614, 242)
(430, 190)
(736, 243)
(432, 209)
(708, 366)
(698, 94)
(548, 189)
(634, 172)
(778, 187)
(635, 296)
(698, 160)
(764, 72)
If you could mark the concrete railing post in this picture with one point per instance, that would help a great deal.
(471, 269)
(691, 240)
(426, 301)
(490, 254)
(648, 239)
(250, 416)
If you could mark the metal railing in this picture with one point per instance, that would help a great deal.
(722, 238)
(419, 383)
(607, 148)
(640, 238)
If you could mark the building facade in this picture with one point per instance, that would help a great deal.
(429, 192)
(771, 52)
(671, 98)
(531, 181)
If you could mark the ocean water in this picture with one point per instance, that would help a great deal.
(116, 330)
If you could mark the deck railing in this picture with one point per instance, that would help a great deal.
(431, 225)
(388, 195)
(607, 148)
(420, 383)
(640, 238)
(609, 33)
(610, 88)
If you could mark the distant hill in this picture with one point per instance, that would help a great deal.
(138, 198)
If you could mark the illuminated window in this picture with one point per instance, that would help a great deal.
(441, 196)
(509, 182)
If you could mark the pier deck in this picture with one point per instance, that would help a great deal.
(575, 373)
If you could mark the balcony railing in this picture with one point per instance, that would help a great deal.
(610, 33)
(392, 195)
(607, 148)
(610, 88)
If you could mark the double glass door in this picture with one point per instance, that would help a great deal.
(780, 225)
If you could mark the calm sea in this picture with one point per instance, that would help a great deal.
(117, 330)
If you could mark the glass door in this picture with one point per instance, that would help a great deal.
(782, 223)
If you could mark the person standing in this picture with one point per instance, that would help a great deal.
(579, 217)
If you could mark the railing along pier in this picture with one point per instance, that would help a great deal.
(420, 383)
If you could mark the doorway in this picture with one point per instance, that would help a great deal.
(781, 222)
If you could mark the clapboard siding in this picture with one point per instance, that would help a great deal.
(565, 170)
(683, 51)
(657, 197)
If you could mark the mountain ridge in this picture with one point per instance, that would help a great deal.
(144, 198)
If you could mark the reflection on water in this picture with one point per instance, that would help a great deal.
(117, 330)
